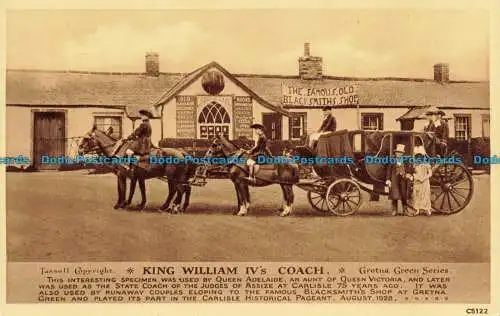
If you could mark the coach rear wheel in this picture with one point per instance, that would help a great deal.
(451, 188)
(343, 197)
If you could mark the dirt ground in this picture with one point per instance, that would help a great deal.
(68, 216)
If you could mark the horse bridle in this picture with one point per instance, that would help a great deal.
(96, 148)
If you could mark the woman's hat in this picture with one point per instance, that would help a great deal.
(434, 110)
(257, 126)
(326, 108)
(400, 148)
(419, 150)
(147, 113)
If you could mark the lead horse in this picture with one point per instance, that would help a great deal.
(178, 175)
(286, 175)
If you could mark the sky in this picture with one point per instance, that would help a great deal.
(359, 43)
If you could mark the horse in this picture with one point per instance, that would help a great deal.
(101, 143)
(286, 175)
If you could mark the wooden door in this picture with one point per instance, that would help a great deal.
(272, 123)
(48, 140)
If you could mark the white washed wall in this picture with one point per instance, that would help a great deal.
(19, 129)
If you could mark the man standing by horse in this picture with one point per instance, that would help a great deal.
(139, 142)
(329, 125)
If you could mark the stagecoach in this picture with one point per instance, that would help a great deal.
(338, 187)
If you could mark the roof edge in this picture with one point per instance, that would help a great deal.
(243, 75)
(87, 72)
(346, 78)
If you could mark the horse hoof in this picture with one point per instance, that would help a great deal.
(285, 214)
(116, 206)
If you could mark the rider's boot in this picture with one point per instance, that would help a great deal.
(251, 173)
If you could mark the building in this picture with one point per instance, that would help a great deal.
(48, 110)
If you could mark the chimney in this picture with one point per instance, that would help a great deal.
(307, 49)
(442, 72)
(310, 67)
(152, 64)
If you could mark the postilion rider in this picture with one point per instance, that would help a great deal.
(329, 125)
(439, 126)
(261, 148)
(139, 142)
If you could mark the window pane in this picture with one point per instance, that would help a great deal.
(371, 121)
(103, 123)
(462, 127)
(214, 113)
(297, 125)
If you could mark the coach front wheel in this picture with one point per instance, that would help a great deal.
(343, 197)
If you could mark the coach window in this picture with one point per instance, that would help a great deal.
(103, 123)
(462, 127)
(213, 119)
(485, 118)
(298, 125)
(372, 121)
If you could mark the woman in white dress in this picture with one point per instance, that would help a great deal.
(421, 193)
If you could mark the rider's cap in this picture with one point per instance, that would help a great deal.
(257, 126)
(147, 113)
(434, 110)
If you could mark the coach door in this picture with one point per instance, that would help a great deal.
(49, 134)
(272, 123)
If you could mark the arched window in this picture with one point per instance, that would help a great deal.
(213, 119)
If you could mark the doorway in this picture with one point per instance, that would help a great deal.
(272, 123)
(49, 134)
